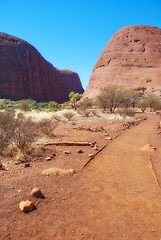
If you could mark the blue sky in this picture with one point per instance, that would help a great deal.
(71, 34)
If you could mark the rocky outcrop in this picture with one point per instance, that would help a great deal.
(25, 74)
(132, 58)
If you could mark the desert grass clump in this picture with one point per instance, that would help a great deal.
(56, 117)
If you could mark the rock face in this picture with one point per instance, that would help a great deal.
(132, 58)
(25, 74)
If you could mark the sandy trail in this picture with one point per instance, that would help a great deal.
(123, 190)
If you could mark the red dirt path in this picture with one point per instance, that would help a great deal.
(116, 196)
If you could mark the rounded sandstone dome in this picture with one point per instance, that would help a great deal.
(132, 58)
(24, 73)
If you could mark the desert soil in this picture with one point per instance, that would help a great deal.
(116, 196)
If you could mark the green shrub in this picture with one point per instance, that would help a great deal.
(53, 106)
(42, 105)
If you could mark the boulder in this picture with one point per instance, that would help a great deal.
(132, 59)
(90, 155)
(26, 206)
(80, 151)
(48, 158)
(36, 192)
(108, 138)
(67, 152)
(25, 74)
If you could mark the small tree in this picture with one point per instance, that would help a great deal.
(73, 98)
(110, 97)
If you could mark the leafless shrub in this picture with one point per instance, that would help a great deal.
(7, 128)
(17, 133)
(69, 115)
(25, 133)
(46, 126)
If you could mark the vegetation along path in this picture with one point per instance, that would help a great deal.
(116, 196)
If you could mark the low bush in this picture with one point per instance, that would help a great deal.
(16, 131)
(25, 133)
(69, 115)
(47, 126)
(7, 128)
(150, 101)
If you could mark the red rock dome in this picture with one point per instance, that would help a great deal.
(132, 58)
(24, 73)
